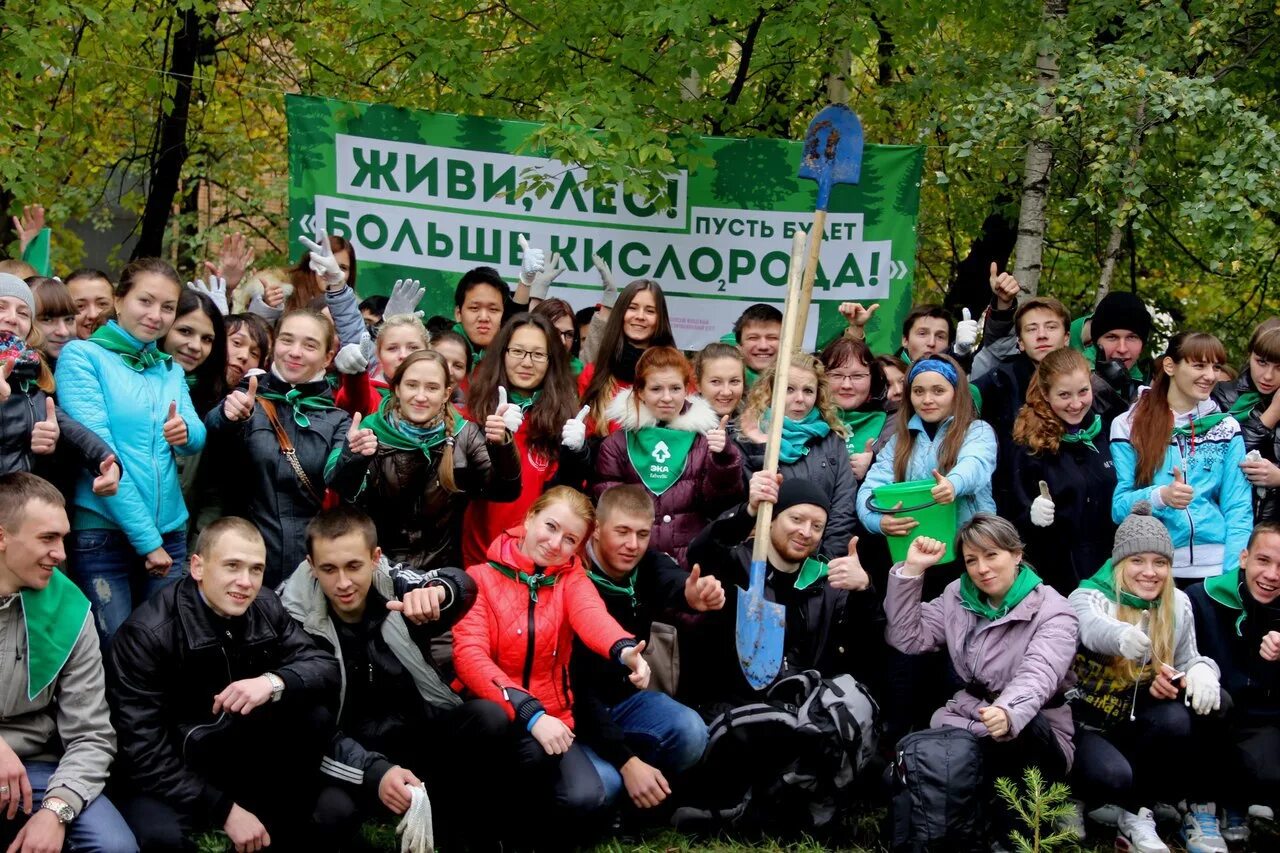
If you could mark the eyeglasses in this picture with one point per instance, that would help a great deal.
(842, 378)
(567, 336)
(535, 356)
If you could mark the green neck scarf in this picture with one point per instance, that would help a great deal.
(973, 600)
(523, 400)
(1102, 581)
(192, 380)
(299, 403)
(812, 570)
(384, 427)
(1244, 404)
(1200, 426)
(861, 426)
(54, 617)
(751, 377)
(608, 585)
(534, 582)
(1085, 435)
(659, 455)
(135, 354)
(796, 434)
(1225, 589)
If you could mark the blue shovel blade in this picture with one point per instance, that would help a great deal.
(832, 150)
(760, 632)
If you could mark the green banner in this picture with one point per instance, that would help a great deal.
(429, 195)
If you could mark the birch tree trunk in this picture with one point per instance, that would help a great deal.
(1118, 223)
(838, 79)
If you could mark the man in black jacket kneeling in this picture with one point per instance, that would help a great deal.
(223, 704)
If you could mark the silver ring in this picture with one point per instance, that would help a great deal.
(4, 790)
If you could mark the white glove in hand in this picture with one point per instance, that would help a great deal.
(1042, 511)
(216, 290)
(610, 294)
(406, 293)
(1203, 694)
(532, 261)
(542, 281)
(966, 334)
(322, 261)
(510, 413)
(1135, 645)
(574, 433)
(354, 358)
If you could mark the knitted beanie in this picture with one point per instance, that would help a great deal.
(1120, 310)
(800, 491)
(11, 285)
(1141, 533)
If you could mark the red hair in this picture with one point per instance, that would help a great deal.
(661, 358)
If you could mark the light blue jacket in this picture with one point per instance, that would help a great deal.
(127, 410)
(971, 475)
(1208, 535)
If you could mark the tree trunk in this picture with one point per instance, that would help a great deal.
(1032, 218)
(838, 79)
(1118, 224)
(170, 151)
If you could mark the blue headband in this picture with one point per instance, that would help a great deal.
(933, 365)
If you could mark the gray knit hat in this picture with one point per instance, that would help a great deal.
(11, 285)
(1141, 533)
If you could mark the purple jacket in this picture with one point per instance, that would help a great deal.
(710, 483)
(1025, 656)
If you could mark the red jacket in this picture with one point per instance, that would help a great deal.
(491, 643)
(487, 520)
(360, 392)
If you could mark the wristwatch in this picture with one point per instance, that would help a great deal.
(60, 809)
(277, 685)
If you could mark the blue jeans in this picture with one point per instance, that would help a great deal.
(660, 731)
(97, 829)
(113, 575)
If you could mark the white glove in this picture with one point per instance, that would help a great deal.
(417, 834)
(1135, 645)
(263, 310)
(574, 433)
(966, 334)
(542, 281)
(322, 261)
(1042, 511)
(610, 293)
(216, 290)
(406, 293)
(354, 358)
(532, 261)
(1203, 693)
(510, 413)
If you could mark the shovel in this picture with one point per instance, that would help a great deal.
(832, 155)
(761, 625)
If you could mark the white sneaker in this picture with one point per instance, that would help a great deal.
(1200, 830)
(1136, 833)
(1261, 812)
(1107, 815)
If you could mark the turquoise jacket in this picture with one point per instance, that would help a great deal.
(127, 410)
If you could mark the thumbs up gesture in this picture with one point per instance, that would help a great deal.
(966, 334)
(1042, 508)
(574, 433)
(943, 492)
(633, 659)
(505, 419)
(361, 441)
(1004, 288)
(718, 437)
(1177, 494)
(6, 367)
(175, 428)
(703, 593)
(44, 434)
(532, 260)
(239, 404)
(107, 483)
(860, 462)
(847, 572)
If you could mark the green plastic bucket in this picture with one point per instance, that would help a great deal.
(937, 521)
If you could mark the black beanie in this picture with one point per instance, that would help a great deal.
(800, 491)
(1120, 310)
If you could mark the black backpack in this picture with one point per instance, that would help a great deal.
(830, 728)
(936, 787)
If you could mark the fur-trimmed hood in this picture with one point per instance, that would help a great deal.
(698, 416)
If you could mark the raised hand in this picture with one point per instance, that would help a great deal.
(633, 659)
(216, 290)
(1270, 648)
(322, 261)
(847, 572)
(29, 225)
(943, 491)
(239, 404)
(353, 359)
(1178, 494)
(107, 483)
(703, 593)
(420, 606)
(532, 260)
(541, 283)
(44, 434)
(1042, 508)
(573, 434)
(1260, 472)
(235, 256)
(762, 488)
(966, 333)
(610, 294)
(923, 554)
(272, 295)
(406, 294)
(1004, 288)
(861, 462)
(718, 438)
(858, 315)
(175, 428)
(507, 414)
(1135, 645)
(362, 442)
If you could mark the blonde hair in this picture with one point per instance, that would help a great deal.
(761, 395)
(578, 503)
(409, 321)
(1160, 628)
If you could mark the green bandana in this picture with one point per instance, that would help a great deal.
(191, 379)
(607, 584)
(1201, 425)
(380, 423)
(973, 600)
(1085, 435)
(476, 352)
(1244, 404)
(750, 375)
(1225, 589)
(1102, 582)
(136, 356)
(54, 617)
(862, 426)
(531, 581)
(796, 434)
(300, 404)
(659, 455)
(811, 571)
(575, 364)
(524, 401)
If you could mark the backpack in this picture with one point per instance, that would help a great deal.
(822, 731)
(936, 801)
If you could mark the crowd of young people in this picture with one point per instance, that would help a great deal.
(279, 572)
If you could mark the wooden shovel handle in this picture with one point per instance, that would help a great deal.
(810, 273)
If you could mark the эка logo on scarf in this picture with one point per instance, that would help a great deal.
(661, 453)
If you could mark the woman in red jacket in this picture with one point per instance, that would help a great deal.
(533, 598)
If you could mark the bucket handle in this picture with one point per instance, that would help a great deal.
(887, 510)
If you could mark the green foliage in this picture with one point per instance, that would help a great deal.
(1040, 808)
